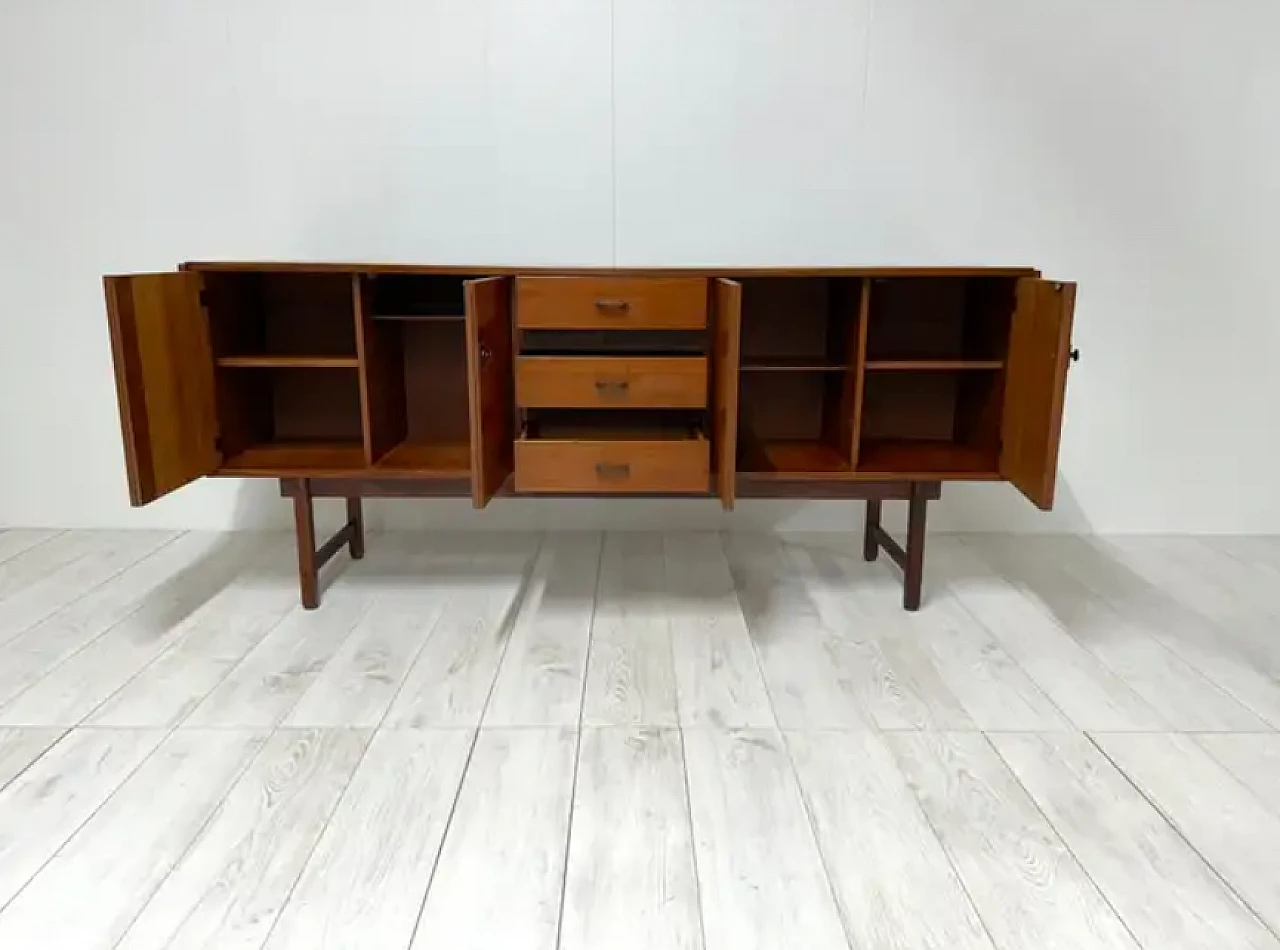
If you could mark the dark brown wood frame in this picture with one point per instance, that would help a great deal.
(304, 491)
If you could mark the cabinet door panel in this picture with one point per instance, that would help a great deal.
(728, 336)
(164, 381)
(1035, 387)
(489, 372)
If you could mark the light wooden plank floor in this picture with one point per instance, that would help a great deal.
(690, 741)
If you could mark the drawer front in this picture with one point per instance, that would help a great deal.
(612, 467)
(589, 382)
(611, 303)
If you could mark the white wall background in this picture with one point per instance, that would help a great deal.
(1132, 145)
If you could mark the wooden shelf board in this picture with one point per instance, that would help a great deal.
(432, 460)
(920, 458)
(792, 459)
(265, 361)
(792, 364)
(934, 365)
(285, 459)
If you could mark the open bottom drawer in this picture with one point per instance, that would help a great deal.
(594, 461)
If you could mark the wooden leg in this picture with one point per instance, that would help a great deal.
(305, 524)
(355, 518)
(913, 570)
(870, 547)
(910, 559)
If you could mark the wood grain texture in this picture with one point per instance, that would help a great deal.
(718, 679)
(1221, 818)
(894, 884)
(20, 747)
(727, 360)
(156, 589)
(612, 466)
(540, 682)
(272, 361)
(265, 686)
(47, 803)
(1080, 685)
(807, 687)
(1253, 759)
(1164, 892)
(68, 668)
(91, 891)
(1023, 881)
(1036, 387)
(357, 686)
(630, 882)
(95, 558)
(606, 303)
(1174, 688)
(874, 646)
(365, 882)
(611, 382)
(489, 361)
(231, 885)
(630, 674)
(450, 682)
(500, 876)
(164, 381)
(760, 873)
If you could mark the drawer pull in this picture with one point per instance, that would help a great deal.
(612, 387)
(613, 470)
(612, 305)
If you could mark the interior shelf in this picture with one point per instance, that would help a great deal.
(790, 458)
(271, 361)
(797, 364)
(904, 457)
(429, 459)
(296, 456)
(933, 365)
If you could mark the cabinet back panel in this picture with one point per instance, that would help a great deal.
(315, 405)
(783, 405)
(785, 317)
(435, 382)
(438, 295)
(309, 313)
(916, 319)
(909, 406)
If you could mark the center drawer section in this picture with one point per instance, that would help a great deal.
(612, 382)
(612, 460)
(604, 303)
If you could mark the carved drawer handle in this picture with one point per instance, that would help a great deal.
(612, 387)
(612, 305)
(613, 470)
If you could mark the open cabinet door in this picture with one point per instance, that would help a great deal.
(164, 381)
(728, 334)
(489, 378)
(1035, 387)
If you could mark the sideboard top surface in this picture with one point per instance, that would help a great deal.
(508, 270)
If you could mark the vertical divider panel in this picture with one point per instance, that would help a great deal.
(858, 372)
(382, 393)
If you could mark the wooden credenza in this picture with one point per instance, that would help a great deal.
(358, 380)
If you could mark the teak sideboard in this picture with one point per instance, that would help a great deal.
(359, 380)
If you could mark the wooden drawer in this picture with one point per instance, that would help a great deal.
(605, 382)
(613, 466)
(611, 303)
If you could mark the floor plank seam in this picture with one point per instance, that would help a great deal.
(1061, 839)
(1169, 820)
(11, 635)
(577, 752)
(27, 550)
(512, 614)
